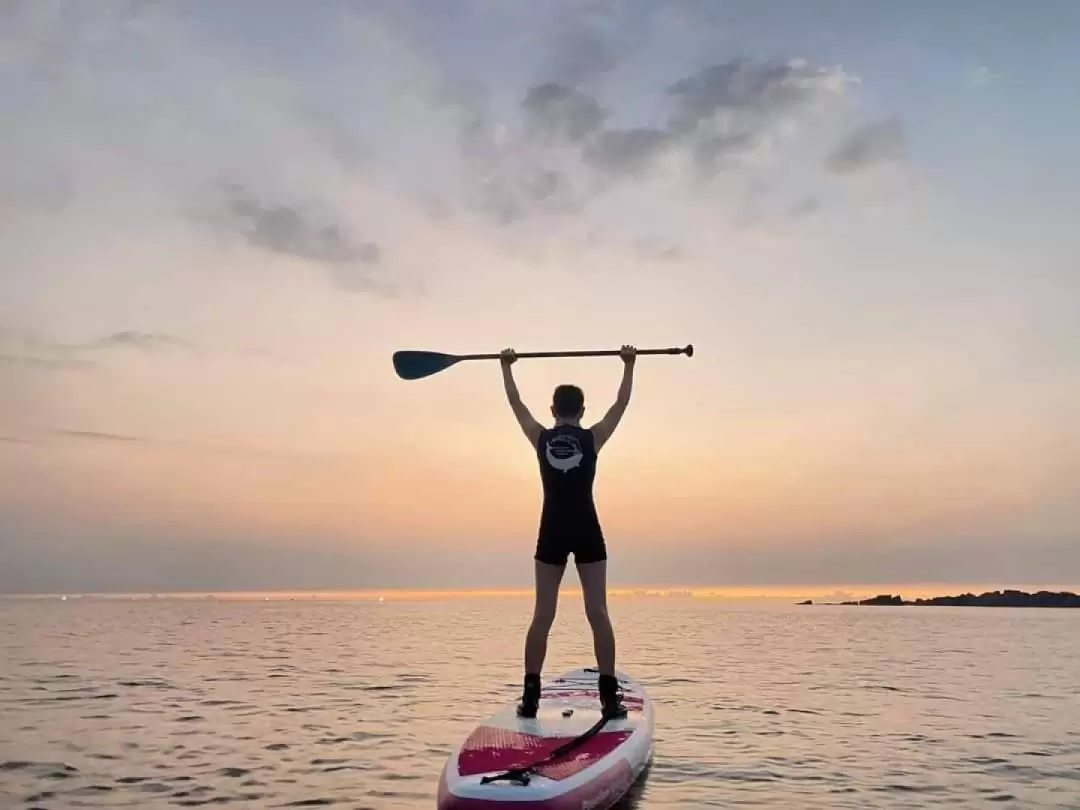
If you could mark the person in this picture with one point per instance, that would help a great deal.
(566, 454)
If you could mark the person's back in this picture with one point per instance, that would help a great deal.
(566, 454)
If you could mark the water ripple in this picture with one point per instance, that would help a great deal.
(191, 704)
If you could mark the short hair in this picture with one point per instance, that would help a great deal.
(568, 400)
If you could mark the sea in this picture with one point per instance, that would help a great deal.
(356, 703)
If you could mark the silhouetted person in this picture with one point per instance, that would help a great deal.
(566, 453)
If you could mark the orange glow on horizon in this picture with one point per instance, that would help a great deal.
(820, 593)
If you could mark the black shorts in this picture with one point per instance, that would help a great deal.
(555, 548)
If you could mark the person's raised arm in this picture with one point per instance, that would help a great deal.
(529, 425)
(603, 429)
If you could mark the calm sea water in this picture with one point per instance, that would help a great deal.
(356, 704)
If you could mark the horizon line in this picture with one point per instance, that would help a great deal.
(700, 591)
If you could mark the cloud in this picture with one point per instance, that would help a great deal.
(19, 349)
(305, 234)
(93, 434)
(626, 152)
(875, 143)
(568, 154)
(187, 445)
(148, 341)
(750, 94)
(553, 111)
(31, 361)
(14, 440)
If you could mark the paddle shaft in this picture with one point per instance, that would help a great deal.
(578, 353)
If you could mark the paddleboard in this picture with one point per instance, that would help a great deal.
(598, 762)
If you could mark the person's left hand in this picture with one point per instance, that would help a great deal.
(628, 354)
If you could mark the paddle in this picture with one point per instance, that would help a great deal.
(413, 364)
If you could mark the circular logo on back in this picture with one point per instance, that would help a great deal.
(563, 453)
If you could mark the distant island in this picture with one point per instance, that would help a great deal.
(1006, 598)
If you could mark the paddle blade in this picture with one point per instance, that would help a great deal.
(412, 365)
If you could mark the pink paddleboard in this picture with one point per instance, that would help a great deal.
(593, 775)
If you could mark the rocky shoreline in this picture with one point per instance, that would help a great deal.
(1006, 598)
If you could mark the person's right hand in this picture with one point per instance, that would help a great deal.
(507, 357)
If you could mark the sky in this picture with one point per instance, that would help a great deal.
(219, 221)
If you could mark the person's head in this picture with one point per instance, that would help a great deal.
(568, 403)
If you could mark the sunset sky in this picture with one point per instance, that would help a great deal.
(219, 220)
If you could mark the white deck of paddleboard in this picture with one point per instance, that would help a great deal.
(551, 722)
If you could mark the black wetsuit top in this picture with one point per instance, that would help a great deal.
(568, 520)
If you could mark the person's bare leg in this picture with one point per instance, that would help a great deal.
(548, 578)
(594, 588)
